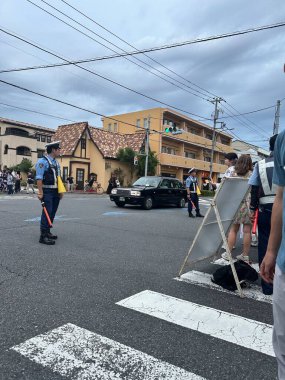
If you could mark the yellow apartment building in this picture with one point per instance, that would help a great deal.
(20, 140)
(176, 153)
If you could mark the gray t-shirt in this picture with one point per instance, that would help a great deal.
(279, 180)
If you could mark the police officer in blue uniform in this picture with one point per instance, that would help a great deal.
(262, 198)
(47, 171)
(193, 199)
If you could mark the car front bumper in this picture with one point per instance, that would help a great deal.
(129, 199)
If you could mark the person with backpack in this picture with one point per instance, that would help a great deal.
(272, 268)
(30, 183)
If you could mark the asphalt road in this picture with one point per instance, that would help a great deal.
(103, 255)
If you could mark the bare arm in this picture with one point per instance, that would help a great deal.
(40, 189)
(268, 264)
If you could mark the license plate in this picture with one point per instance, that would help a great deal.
(122, 199)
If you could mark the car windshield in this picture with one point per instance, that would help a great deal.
(147, 181)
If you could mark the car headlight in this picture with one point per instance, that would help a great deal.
(135, 193)
(114, 191)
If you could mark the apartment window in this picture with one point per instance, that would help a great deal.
(6, 148)
(190, 154)
(164, 149)
(170, 151)
(225, 141)
(222, 162)
(209, 136)
(115, 127)
(40, 153)
(48, 139)
(207, 159)
(193, 131)
(43, 138)
(38, 137)
(138, 123)
(110, 127)
(23, 151)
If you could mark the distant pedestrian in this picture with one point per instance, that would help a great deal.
(30, 183)
(273, 264)
(192, 189)
(18, 179)
(262, 198)
(113, 183)
(243, 168)
(10, 182)
(70, 183)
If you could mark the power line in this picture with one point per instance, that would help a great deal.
(90, 111)
(132, 46)
(103, 77)
(37, 112)
(107, 47)
(245, 113)
(164, 47)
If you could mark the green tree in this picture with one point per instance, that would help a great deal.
(152, 164)
(127, 155)
(25, 166)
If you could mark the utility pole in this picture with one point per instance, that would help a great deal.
(277, 117)
(216, 116)
(147, 146)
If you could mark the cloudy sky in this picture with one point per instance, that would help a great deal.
(246, 70)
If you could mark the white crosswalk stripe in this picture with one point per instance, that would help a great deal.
(204, 280)
(216, 323)
(80, 354)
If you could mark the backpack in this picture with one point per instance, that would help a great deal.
(224, 275)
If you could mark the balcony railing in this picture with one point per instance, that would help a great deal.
(184, 162)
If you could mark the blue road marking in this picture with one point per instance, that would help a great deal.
(59, 218)
(116, 213)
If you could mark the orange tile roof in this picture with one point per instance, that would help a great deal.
(69, 136)
(108, 143)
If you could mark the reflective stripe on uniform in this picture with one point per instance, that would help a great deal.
(263, 166)
(49, 186)
(265, 200)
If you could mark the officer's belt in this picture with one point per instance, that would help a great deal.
(265, 200)
(49, 186)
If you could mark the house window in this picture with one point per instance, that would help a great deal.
(64, 173)
(138, 123)
(48, 139)
(145, 122)
(110, 127)
(115, 127)
(6, 149)
(190, 154)
(43, 138)
(83, 143)
(40, 153)
(23, 151)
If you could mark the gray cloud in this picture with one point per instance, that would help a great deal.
(246, 70)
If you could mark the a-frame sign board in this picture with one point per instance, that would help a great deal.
(216, 224)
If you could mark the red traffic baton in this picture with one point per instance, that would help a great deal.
(46, 214)
(255, 222)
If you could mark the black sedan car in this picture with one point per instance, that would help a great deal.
(151, 191)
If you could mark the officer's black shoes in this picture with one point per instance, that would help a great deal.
(199, 215)
(51, 236)
(44, 239)
(191, 215)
